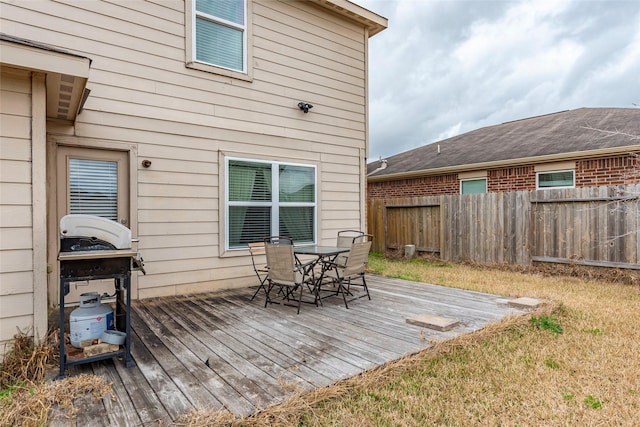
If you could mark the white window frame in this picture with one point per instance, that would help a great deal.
(191, 62)
(275, 203)
(573, 183)
(486, 184)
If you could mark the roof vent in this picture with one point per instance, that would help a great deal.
(383, 165)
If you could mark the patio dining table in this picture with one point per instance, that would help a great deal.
(321, 254)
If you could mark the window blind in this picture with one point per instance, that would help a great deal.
(555, 179)
(256, 210)
(229, 10)
(219, 45)
(93, 188)
(220, 33)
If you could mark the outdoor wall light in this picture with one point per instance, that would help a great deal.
(304, 106)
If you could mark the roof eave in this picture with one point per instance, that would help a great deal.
(372, 21)
(66, 73)
(505, 163)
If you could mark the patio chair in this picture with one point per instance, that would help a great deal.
(256, 249)
(345, 239)
(352, 272)
(286, 271)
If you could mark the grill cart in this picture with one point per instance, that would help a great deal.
(96, 248)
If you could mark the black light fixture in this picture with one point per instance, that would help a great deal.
(304, 106)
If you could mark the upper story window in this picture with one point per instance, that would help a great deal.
(219, 33)
(555, 179)
(473, 186)
(269, 199)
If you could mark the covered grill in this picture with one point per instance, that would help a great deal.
(96, 248)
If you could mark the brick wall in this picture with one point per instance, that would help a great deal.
(511, 179)
(622, 169)
(424, 186)
(608, 171)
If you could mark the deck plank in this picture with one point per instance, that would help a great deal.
(305, 336)
(313, 320)
(259, 356)
(362, 340)
(145, 400)
(119, 407)
(223, 357)
(229, 394)
(179, 389)
(293, 345)
(244, 342)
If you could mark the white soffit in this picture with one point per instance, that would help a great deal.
(66, 73)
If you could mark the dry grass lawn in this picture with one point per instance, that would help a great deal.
(513, 373)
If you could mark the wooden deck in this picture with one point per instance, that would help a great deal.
(220, 350)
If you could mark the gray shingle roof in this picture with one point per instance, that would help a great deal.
(553, 134)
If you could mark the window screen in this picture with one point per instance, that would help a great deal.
(555, 179)
(93, 188)
(473, 186)
(265, 199)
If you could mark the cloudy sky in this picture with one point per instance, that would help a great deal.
(445, 67)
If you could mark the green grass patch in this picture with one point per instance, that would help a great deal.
(592, 402)
(551, 363)
(547, 323)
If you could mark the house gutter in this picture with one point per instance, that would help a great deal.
(505, 163)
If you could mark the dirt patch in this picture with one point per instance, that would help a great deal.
(544, 269)
(588, 273)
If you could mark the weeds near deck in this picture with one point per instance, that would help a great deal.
(547, 324)
(26, 399)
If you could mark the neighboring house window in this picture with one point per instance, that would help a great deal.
(269, 199)
(218, 32)
(555, 179)
(473, 186)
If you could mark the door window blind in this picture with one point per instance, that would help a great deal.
(93, 188)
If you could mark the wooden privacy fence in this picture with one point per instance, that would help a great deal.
(590, 225)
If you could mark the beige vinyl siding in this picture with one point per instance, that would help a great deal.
(181, 119)
(16, 244)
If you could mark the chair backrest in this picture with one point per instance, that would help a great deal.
(279, 240)
(281, 262)
(256, 249)
(347, 237)
(357, 258)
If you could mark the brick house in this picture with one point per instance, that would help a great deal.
(584, 147)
